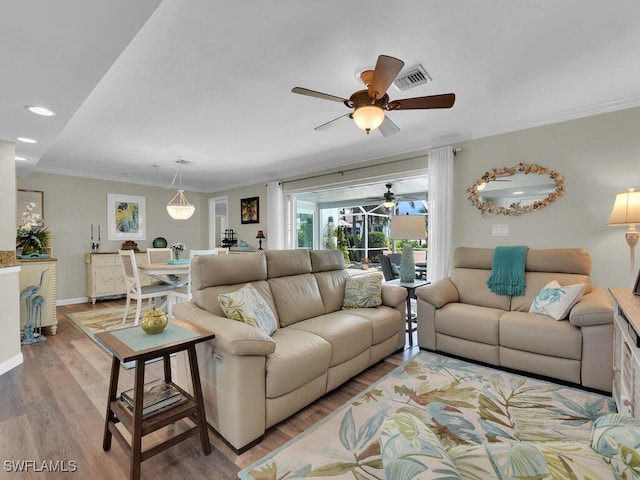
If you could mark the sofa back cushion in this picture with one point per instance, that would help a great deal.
(296, 297)
(284, 263)
(213, 270)
(331, 285)
(326, 260)
(472, 267)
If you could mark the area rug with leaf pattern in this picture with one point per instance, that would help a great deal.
(463, 403)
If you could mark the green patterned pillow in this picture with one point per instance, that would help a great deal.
(617, 437)
(363, 291)
(248, 306)
(555, 300)
(410, 450)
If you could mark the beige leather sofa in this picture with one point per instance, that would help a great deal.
(461, 316)
(252, 381)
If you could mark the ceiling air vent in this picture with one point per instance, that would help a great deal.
(413, 77)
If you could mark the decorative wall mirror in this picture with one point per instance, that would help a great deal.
(515, 190)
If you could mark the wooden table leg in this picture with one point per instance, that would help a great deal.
(167, 368)
(136, 435)
(197, 394)
(113, 392)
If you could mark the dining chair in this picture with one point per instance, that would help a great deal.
(183, 294)
(159, 255)
(135, 291)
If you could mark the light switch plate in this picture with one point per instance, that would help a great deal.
(500, 230)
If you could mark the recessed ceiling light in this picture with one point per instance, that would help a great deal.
(20, 159)
(518, 193)
(26, 140)
(40, 110)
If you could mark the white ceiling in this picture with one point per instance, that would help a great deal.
(145, 82)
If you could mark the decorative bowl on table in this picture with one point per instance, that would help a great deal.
(154, 321)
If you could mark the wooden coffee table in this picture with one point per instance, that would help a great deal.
(132, 344)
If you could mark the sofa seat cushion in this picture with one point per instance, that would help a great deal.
(299, 358)
(385, 321)
(349, 335)
(532, 332)
(469, 322)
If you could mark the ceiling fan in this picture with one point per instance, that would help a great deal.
(371, 103)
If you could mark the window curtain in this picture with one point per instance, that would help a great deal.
(275, 216)
(440, 165)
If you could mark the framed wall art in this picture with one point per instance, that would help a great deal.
(126, 217)
(26, 197)
(250, 210)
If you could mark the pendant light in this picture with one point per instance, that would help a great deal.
(179, 207)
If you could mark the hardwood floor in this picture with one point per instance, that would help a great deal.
(52, 410)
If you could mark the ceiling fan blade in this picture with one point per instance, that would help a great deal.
(388, 128)
(334, 122)
(313, 93)
(387, 69)
(445, 100)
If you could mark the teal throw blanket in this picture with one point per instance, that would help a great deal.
(507, 271)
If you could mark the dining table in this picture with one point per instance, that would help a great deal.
(174, 274)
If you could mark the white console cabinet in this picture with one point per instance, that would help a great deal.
(626, 351)
(105, 277)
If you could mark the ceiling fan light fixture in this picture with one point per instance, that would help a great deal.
(389, 198)
(179, 207)
(368, 117)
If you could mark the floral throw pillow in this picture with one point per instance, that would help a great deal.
(248, 306)
(363, 291)
(556, 301)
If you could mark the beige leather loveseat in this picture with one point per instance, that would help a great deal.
(461, 316)
(251, 380)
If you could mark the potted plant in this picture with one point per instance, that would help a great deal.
(365, 263)
(178, 248)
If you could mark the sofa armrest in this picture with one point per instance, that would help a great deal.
(595, 308)
(393, 296)
(233, 337)
(439, 293)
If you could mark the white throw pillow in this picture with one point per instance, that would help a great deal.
(555, 300)
(248, 306)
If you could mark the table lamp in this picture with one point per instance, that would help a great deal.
(260, 236)
(626, 211)
(407, 227)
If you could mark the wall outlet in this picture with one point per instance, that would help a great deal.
(500, 230)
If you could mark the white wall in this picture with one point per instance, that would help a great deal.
(10, 353)
(598, 157)
(72, 204)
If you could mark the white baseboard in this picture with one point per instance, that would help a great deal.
(11, 363)
(72, 301)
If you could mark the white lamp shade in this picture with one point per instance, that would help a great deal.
(368, 117)
(179, 207)
(626, 209)
(408, 227)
